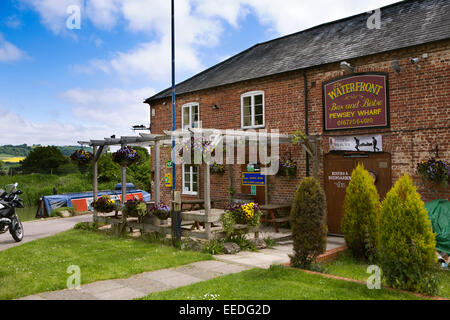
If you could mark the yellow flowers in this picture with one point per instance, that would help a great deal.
(249, 209)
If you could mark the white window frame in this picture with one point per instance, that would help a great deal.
(189, 192)
(189, 105)
(252, 94)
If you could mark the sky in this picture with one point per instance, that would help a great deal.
(75, 70)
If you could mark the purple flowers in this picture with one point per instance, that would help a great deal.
(437, 171)
(161, 211)
(81, 156)
(126, 156)
(288, 168)
(196, 145)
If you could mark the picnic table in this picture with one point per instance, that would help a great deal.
(270, 211)
(199, 203)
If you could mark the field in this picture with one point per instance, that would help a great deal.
(11, 159)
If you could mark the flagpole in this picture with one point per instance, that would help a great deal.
(174, 180)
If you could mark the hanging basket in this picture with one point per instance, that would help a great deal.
(287, 168)
(81, 157)
(126, 156)
(434, 173)
(217, 168)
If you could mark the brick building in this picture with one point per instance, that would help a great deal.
(399, 73)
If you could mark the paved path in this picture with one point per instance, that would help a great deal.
(161, 280)
(34, 230)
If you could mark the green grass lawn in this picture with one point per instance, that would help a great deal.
(41, 265)
(349, 267)
(277, 283)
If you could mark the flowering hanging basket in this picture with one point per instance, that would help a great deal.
(135, 208)
(287, 168)
(161, 211)
(217, 168)
(126, 156)
(434, 173)
(195, 146)
(104, 204)
(81, 157)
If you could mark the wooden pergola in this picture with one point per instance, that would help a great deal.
(207, 216)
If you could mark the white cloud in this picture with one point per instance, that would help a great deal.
(96, 114)
(151, 59)
(9, 52)
(53, 13)
(288, 16)
(17, 130)
(12, 22)
(115, 110)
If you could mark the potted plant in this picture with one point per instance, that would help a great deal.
(217, 168)
(287, 168)
(161, 211)
(434, 172)
(126, 156)
(104, 204)
(81, 157)
(135, 208)
(248, 214)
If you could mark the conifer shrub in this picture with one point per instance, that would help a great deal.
(361, 215)
(309, 224)
(407, 244)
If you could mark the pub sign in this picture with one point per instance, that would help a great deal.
(356, 101)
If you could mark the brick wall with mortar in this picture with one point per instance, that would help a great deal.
(419, 116)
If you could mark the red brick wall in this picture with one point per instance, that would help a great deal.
(419, 115)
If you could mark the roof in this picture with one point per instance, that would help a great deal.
(403, 24)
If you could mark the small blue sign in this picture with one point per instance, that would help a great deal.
(253, 179)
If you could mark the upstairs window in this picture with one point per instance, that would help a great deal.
(252, 110)
(190, 116)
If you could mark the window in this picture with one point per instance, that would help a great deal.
(190, 179)
(252, 110)
(190, 116)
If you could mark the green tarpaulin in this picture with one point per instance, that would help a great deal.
(439, 213)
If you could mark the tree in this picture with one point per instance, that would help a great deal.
(309, 223)
(361, 213)
(407, 245)
(43, 160)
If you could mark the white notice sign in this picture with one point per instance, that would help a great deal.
(357, 143)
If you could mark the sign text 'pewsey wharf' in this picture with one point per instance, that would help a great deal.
(359, 101)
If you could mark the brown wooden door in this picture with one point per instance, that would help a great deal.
(337, 172)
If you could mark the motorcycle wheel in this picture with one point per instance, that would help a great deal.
(16, 230)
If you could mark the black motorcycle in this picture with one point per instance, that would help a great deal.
(9, 201)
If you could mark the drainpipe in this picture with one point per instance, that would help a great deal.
(306, 120)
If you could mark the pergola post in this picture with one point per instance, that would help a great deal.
(95, 180)
(157, 172)
(207, 193)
